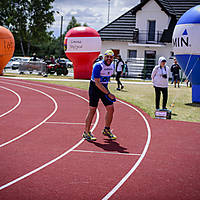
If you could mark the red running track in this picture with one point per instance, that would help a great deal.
(43, 155)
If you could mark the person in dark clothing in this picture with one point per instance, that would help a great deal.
(34, 57)
(175, 72)
(125, 71)
(52, 59)
(119, 70)
(100, 58)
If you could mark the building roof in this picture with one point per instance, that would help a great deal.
(121, 29)
(124, 27)
(178, 7)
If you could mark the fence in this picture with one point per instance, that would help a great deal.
(147, 37)
(32, 66)
(140, 67)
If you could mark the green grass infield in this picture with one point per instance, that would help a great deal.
(140, 95)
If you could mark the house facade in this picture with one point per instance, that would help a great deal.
(144, 33)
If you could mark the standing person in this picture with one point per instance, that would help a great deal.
(175, 72)
(125, 71)
(119, 70)
(160, 77)
(52, 59)
(100, 58)
(45, 58)
(188, 83)
(34, 57)
(102, 71)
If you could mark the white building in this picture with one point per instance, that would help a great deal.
(145, 31)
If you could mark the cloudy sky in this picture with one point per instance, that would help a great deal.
(92, 12)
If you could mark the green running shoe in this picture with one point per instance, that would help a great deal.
(88, 136)
(108, 133)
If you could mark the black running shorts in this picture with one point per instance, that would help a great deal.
(176, 77)
(95, 94)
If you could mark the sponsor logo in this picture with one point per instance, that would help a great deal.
(182, 41)
(105, 79)
(106, 69)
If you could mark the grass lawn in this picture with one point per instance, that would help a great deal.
(143, 97)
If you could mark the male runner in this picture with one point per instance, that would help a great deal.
(102, 71)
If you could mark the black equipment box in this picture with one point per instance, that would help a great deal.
(163, 114)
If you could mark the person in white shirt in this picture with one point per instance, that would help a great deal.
(160, 78)
(119, 70)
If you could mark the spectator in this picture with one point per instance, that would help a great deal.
(160, 77)
(188, 83)
(34, 57)
(45, 58)
(125, 71)
(99, 58)
(119, 70)
(52, 59)
(175, 72)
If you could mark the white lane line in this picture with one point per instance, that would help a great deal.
(105, 152)
(132, 81)
(18, 103)
(65, 123)
(41, 167)
(48, 117)
(57, 158)
(45, 86)
(122, 181)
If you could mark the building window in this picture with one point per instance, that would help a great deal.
(151, 30)
(132, 53)
(149, 63)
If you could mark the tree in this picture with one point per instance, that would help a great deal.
(40, 17)
(73, 23)
(85, 24)
(28, 20)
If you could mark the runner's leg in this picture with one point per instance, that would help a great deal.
(109, 115)
(89, 118)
